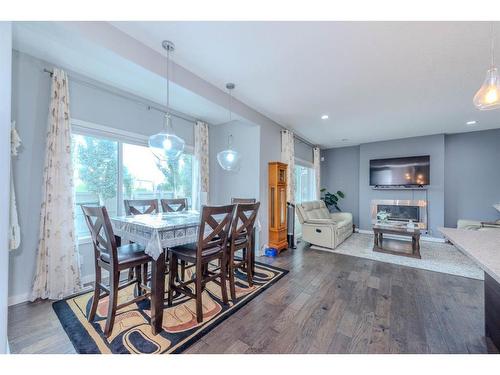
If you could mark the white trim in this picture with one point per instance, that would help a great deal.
(92, 129)
(423, 238)
(20, 298)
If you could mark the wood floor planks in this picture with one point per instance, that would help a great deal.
(328, 303)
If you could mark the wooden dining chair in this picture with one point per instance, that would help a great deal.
(140, 206)
(174, 205)
(241, 238)
(113, 258)
(243, 200)
(212, 245)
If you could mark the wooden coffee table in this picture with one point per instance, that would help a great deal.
(394, 246)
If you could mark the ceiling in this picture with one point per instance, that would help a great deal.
(375, 80)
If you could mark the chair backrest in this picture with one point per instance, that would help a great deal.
(169, 205)
(101, 231)
(244, 221)
(312, 210)
(243, 200)
(217, 219)
(140, 206)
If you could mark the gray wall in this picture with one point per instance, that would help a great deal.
(430, 145)
(5, 115)
(243, 183)
(472, 176)
(340, 171)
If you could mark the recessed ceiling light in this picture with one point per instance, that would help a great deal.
(344, 139)
(324, 117)
(472, 122)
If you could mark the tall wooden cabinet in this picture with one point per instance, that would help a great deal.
(277, 206)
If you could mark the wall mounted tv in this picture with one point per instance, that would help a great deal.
(407, 171)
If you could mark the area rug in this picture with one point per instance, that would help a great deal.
(132, 329)
(436, 256)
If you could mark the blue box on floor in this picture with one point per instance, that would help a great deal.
(271, 252)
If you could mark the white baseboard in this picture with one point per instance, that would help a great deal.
(422, 238)
(20, 298)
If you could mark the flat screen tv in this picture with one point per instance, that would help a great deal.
(407, 171)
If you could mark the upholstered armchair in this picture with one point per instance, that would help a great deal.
(322, 228)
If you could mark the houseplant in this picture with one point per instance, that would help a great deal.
(332, 199)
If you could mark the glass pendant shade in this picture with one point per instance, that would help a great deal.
(229, 160)
(488, 95)
(166, 145)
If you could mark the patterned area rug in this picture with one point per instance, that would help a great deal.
(436, 256)
(132, 330)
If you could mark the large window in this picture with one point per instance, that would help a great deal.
(305, 189)
(106, 171)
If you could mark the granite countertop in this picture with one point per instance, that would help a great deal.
(482, 246)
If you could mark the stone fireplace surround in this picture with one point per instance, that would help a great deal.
(401, 210)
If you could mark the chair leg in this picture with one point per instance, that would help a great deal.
(97, 293)
(145, 274)
(248, 264)
(243, 257)
(223, 278)
(171, 278)
(138, 276)
(183, 270)
(130, 274)
(198, 292)
(230, 271)
(113, 300)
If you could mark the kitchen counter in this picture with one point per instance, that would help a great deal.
(483, 247)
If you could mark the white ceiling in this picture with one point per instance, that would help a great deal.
(375, 80)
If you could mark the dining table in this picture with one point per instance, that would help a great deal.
(157, 233)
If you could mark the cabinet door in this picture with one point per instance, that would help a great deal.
(281, 176)
(282, 207)
(272, 195)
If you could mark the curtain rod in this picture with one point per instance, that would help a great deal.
(299, 138)
(146, 104)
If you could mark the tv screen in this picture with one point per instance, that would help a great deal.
(408, 171)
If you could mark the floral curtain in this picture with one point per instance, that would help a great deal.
(317, 171)
(201, 178)
(57, 271)
(288, 157)
(14, 229)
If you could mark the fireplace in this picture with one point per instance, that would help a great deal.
(401, 211)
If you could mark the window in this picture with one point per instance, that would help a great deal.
(102, 164)
(305, 189)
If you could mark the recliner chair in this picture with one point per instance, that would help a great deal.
(322, 228)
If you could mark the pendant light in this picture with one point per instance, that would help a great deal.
(229, 159)
(488, 95)
(166, 145)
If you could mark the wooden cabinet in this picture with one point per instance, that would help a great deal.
(277, 206)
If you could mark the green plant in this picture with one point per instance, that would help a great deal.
(332, 199)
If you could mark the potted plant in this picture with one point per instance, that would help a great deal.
(332, 199)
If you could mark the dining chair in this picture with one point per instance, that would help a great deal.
(241, 238)
(174, 205)
(113, 258)
(140, 206)
(243, 200)
(212, 245)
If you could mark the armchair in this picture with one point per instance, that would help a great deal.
(322, 228)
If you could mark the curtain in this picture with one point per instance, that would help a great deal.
(201, 174)
(57, 271)
(288, 157)
(14, 229)
(317, 171)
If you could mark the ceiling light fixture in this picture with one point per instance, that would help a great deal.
(488, 95)
(229, 159)
(470, 123)
(324, 117)
(166, 145)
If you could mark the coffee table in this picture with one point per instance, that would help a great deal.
(394, 246)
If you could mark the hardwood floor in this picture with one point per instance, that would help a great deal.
(328, 303)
